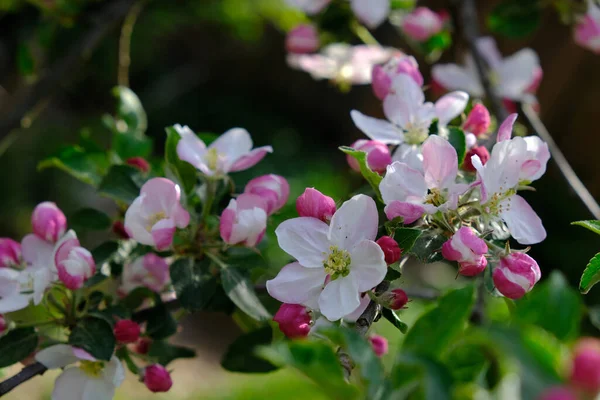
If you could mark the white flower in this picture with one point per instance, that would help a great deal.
(371, 12)
(91, 380)
(335, 263)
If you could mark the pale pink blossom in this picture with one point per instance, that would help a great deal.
(149, 271)
(154, 216)
(335, 263)
(587, 29)
(10, 253)
(74, 264)
(372, 13)
(378, 155)
(230, 152)
(157, 379)
(244, 220)
(310, 7)
(468, 250)
(382, 75)
(274, 189)
(515, 275)
(302, 39)
(294, 320)
(48, 221)
(410, 193)
(315, 204)
(422, 23)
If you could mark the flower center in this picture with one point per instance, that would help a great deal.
(212, 159)
(434, 197)
(154, 218)
(92, 368)
(415, 134)
(493, 204)
(337, 263)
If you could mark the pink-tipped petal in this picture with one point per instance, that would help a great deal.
(505, 129)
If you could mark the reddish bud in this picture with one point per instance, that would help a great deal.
(293, 320)
(127, 331)
(313, 203)
(481, 151)
(516, 274)
(394, 299)
(3, 324)
(585, 371)
(302, 39)
(139, 163)
(478, 121)
(378, 155)
(390, 248)
(142, 346)
(118, 229)
(468, 250)
(379, 344)
(10, 253)
(48, 221)
(274, 189)
(157, 378)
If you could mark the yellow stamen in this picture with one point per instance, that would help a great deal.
(337, 263)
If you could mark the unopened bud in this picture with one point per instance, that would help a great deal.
(478, 121)
(302, 39)
(139, 163)
(127, 331)
(515, 275)
(313, 203)
(481, 151)
(468, 250)
(293, 319)
(157, 378)
(390, 249)
(48, 221)
(585, 371)
(378, 155)
(394, 299)
(379, 345)
(10, 253)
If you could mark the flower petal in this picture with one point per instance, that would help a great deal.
(523, 223)
(57, 356)
(36, 251)
(191, 148)
(356, 220)
(98, 389)
(488, 49)
(70, 385)
(402, 183)
(371, 12)
(368, 265)
(354, 315)
(296, 284)
(454, 77)
(305, 239)
(377, 129)
(409, 154)
(516, 73)
(234, 144)
(162, 233)
(136, 221)
(339, 298)
(250, 159)
(405, 100)
(410, 212)
(440, 162)
(450, 106)
(505, 129)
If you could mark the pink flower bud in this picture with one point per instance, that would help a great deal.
(585, 370)
(127, 331)
(558, 393)
(157, 378)
(481, 151)
(468, 249)
(421, 24)
(274, 189)
(150, 271)
(382, 75)
(10, 253)
(74, 264)
(390, 248)
(139, 163)
(478, 121)
(378, 155)
(394, 299)
(313, 203)
(587, 29)
(48, 221)
(244, 220)
(293, 320)
(118, 229)
(3, 325)
(302, 39)
(516, 274)
(142, 346)
(379, 344)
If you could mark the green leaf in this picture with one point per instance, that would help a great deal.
(316, 360)
(438, 42)
(119, 185)
(427, 247)
(128, 146)
(467, 361)
(593, 225)
(241, 292)
(436, 329)
(554, 306)
(372, 177)
(391, 316)
(361, 353)
(16, 345)
(89, 219)
(25, 60)
(194, 284)
(241, 357)
(136, 297)
(515, 18)
(130, 110)
(165, 352)
(457, 139)
(84, 166)
(160, 324)
(402, 4)
(406, 238)
(104, 252)
(94, 335)
(424, 376)
(591, 275)
(184, 172)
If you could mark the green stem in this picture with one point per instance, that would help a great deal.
(510, 304)
(210, 198)
(216, 260)
(36, 324)
(363, 34)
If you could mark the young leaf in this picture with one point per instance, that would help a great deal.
(372, 177)
(241, 357)
(593, 225)
(391, 316)
(130, 110)
(423, 376)
(184, 172)
(16, 345)
(436, 329)
(74, 160)
(427, 247)
(119, 185)
(515, 18)
(591, 275)
(94, 335)
(127, 145)
(240, 291)
(104, 252)
(194, 285)
(406, 238)
(457, 139)
(165, 352)
(160, 324)
(89, 219)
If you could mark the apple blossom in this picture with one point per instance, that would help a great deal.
(478, 121)
(230, 152)
(468, 250)
(149, 270)
(410, 117)
(382, 75)
(422, 23)
(48, 221)
(342, 63)
(585, 373)
(390, 249)
(587, 29)
(154, 216)
(308, 6)
(10, 253)
(91, 380)
(371, 12)
(479, 151)
(274, 189)
(127, 331)
(378, 155)
(139, 163)
(335, 263)
(515, 275)
(157, 378)
(315, 204)
(294, 320)
(379, 345)
(409, 193)
(511, 76)
(74, 264)
(302, 39)
(244, 220)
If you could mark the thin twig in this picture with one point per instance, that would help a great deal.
(125, 43)
(561, 161)
(421, 293)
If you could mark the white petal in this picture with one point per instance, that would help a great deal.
(516, 73)
(305, 239)
(409, 154)
(296, 284)
(356, 220)
(454, 77)
(523, 223)
(371, 12)
(450, 106)
(488, 49)
(36, 251)
(191, 148)
(405, 100)
(70, 385)
(98, 389)
(57, 356)
(368, 265)
(354, 315)
(136, 221)
(233, 144)
(339, 298)
(377, 129)
(14, 303)
(402, 183)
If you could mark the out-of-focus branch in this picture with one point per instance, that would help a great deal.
(125, 43)
(101, 20)
(561, 161)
